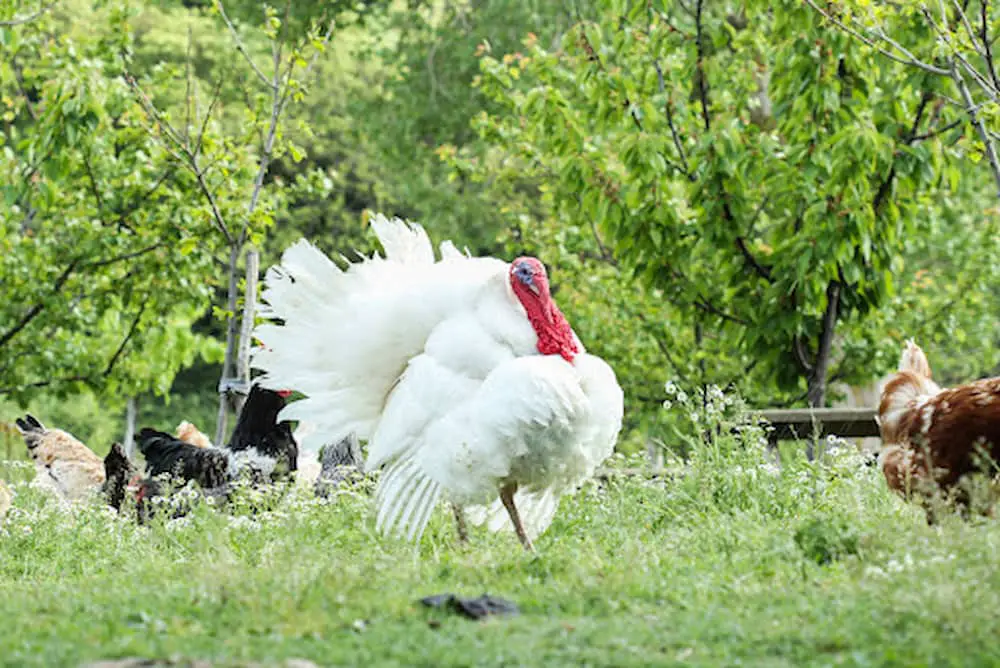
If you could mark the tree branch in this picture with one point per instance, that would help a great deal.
(19, 20)
(684, 169)
(906, 59)
(800, 354)
(977, 122)
(817, 379)
(122, 258)
(128, 337)
(33, 312)
(987, 45)
(702, 84)
(186, 156)
(762, 271)
(44, 383)
(664, 350)
(240, 46)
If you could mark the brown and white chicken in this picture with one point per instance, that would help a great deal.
(5, 499)
(189, 433)
(934, 437)
(61, 461)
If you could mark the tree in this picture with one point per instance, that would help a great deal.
(92, 217)
(209, 163)
(953, 41)
(756, 168)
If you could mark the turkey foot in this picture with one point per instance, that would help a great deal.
(463, 532)
(507, 496)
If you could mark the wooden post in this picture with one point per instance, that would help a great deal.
(654, 453)
(246, 327)
(130, 417)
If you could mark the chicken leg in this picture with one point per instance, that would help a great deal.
(507, 497)
(463, 532)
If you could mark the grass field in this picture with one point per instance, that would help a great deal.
(732, 561)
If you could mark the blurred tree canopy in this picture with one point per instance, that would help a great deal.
(726, 193)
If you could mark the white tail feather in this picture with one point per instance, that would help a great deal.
(343, 342)
(405, 497)
(403, 241)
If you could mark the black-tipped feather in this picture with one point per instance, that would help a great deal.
(31, 429)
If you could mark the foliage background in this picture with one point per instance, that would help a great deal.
(533, 127)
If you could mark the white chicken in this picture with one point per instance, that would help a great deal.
(462, 374)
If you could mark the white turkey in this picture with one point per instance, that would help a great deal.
(462, 374)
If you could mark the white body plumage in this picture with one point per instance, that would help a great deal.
(436, 364)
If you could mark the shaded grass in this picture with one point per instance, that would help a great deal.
(728, 562)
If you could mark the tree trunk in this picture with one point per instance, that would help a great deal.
(817, 379)
(229, 363)
(246, 328)
(130, 417)
(816, 393)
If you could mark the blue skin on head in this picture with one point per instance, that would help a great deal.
(524, 273)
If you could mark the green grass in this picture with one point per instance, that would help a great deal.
(729, 562)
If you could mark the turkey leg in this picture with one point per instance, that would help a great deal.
(507, 496)
(463, 532)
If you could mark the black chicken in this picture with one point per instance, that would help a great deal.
(262, 446)
(167, 454)
(119, 473)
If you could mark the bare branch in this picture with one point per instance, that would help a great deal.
(945, 35)
(216, 94)
(189, 89)
(186, 156)
(240, 46)
(92, 180)
(968, 27)
(987, 45)
(906, 58)
(762, 271)
(708, 307)
(977, 122)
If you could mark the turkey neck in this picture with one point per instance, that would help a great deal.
(555, 336)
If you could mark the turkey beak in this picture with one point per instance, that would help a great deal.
(534, 288)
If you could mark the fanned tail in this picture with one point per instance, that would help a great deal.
(405, 496)
(343, 337)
